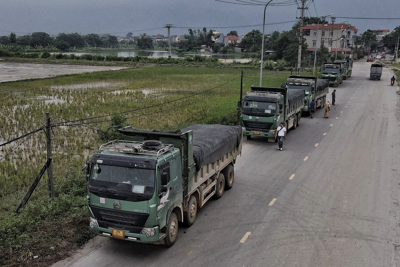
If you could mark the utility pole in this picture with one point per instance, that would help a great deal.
(303, 2)
(169, 38)
(49, 156)
(397, 48)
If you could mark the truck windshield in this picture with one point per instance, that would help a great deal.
(305, 88)
(327, 70)
(122, 180)
(264, 109)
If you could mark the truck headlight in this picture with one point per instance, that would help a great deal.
(93, 223)
(148, 232)
(271, 131)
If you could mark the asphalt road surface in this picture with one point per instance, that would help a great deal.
(330, 198)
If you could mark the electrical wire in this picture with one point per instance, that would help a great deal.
(5, 156)
(243, 26)
(25, 135)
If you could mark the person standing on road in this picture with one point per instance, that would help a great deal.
(281, 134)
(333, 97)
(312, 108)
(327, 109)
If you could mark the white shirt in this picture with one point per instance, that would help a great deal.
(281, 132)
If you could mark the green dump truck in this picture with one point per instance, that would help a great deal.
(347, 68)
(333, 73)
(263, 108)
(376, 71)
(141, 187)
(314, 88)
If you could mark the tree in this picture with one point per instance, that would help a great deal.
(145, 42)
(234, 33)
(252, 41)
(13, 38)
(65, 41)
(93, 40)
(41, 39)
(111, 41)
(4, 40)
(129, 35)
(24, 40)
(390, 40)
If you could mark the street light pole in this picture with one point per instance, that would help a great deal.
(262, 44)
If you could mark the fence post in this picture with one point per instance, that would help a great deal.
(49, 156)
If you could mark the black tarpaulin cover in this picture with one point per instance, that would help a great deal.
(322, 84)
(211, 142)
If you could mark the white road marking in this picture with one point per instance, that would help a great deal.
(316, 144)
(245, 237)
(337, 117)
(331, 125)
(272, 202)
(348, 102)
(291, 177)
(190, 252)
(324, 134)
(306, 158)
(341, 111)
(345, 106)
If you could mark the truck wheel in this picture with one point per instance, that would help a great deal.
(229, 175)
(295, 122)
(191, 214)
(172, 230)
(220, 186)
(248, 137)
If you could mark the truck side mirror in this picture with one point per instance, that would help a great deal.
(238, 104)
(87, 169)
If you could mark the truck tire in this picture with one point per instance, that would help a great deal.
(295, 122)
(220, 186)
(229, 175)
(172, 230)
(248, 137)
(191, 214)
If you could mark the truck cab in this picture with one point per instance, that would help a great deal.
(333, 73)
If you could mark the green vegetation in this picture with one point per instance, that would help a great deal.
(163, 98)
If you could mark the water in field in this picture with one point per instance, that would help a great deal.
(85, 86)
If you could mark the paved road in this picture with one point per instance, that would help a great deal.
(341, 207)
(10, 71)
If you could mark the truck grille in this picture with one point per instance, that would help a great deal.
(120, 217)
(331, 79)
(255, 125)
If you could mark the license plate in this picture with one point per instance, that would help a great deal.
(256, 132)
(118, 234)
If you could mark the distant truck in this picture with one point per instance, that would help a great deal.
(141, 187)
(346, 66)
(376, 71)
(333, 73)
(314, 88)
(264, 108)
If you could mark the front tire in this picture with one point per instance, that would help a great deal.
(172, 230)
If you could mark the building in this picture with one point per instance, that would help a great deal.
(379, 35)
(335, 37)
(231, 39)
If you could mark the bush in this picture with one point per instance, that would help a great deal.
(5, 53)
(45, 55)
(269, 65)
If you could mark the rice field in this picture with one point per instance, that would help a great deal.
(159, 97)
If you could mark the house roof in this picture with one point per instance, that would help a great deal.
(382, 30)
(329, 27)
(232, 37)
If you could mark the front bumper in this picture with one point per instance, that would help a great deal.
(130, 236)
(259, 133)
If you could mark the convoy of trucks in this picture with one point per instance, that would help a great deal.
(347, 68)
(139, 188)
(263, 108)
(314, 88)
(376, 71)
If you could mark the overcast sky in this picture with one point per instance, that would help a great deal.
(119, 17)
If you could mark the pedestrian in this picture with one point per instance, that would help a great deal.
(312, 108)
(327, 109)
(281, 134)
(392, 80)
(333, 97)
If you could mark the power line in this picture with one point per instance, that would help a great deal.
(25, 135)
(242, 26)
(369, 18)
